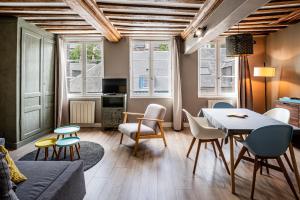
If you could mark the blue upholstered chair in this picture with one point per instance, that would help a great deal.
(222, 105)
(269, 142)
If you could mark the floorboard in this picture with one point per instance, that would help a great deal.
(159, 173)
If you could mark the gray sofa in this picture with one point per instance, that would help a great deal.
(51, 180)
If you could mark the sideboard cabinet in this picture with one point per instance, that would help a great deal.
(294, 109)
(26, 81)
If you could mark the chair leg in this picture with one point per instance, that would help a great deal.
(241, 154)
(256, 166)
(163, 137)
(267, 167)
(136, 146)
(190, 148)
(197, 155)
(288, 161)
(222, 156)
(214, 148)
(222, 141)
(287, 177)
(121, 138)
(37, 154)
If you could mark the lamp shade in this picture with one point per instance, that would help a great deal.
(239, 44)
(264, 71)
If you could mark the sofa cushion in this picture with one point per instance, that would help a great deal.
(42, 175)
(130, 129)
(6, 187)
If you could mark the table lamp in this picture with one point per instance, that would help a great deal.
(264, 72)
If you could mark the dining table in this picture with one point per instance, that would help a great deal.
(237, 121)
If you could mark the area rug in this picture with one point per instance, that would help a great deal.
(91, 153)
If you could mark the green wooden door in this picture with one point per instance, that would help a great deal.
(48, 84)
(31, 83)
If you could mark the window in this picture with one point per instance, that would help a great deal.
(216, 72)
(150, 68)
(84, 70)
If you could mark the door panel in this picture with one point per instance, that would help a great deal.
(31, 79)
(48, 83)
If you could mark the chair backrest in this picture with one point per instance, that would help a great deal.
(222, 105)
(154, 111)
(279, 114)
(270, 141)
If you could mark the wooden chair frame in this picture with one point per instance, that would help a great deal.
(139, 135)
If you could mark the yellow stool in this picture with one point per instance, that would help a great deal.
(46, 143)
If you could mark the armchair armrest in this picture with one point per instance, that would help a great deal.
(149, 119)
(132, 113)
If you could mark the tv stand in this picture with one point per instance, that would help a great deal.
(112, 108)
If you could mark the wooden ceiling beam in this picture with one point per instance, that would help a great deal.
(62, 31)
(253, 29)
(143, 24)
(260, 26)
(275, 10)
(282, 4)
(147, 10)
(202, 14)
(58, 22)
(265, 17)
(36, 10)
(156, 3)
(120, 29)
(67, 27)
(148, 18)
(88, 10)
(288, 18)
(227, 14)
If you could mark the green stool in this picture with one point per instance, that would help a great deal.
(67, 130)
(68, 142)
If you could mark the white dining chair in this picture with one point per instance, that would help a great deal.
(202, 132)
(282, 115)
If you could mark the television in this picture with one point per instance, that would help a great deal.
(114, 85)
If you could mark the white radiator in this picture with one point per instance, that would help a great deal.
(82, 112)
(211, 103)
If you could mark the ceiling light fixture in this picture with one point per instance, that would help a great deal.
(200, 32)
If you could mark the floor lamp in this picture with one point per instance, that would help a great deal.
(265, 72)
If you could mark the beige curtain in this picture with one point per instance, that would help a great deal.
(177, 96)
(62, 103)
(245, 86)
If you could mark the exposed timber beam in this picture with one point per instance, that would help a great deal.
(290, 17)
(88, 10)
(226, 15)
(203, 13)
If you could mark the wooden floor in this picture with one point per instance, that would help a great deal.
(159, 173)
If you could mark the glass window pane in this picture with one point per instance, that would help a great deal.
(93, 60)
(140, 67)
(227, 85)
(161, 67)
(74, 85)
(93, 84)
(207, 69)
(227, 67)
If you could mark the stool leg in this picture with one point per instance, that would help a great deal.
(77, 152)
(37, 154)
(58, 154)
(65, 152)
(54, 154)
(78, 143)
(71, 152)
(46, 153)
(57, 137)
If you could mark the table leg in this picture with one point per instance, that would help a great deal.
(65, 152)
(294, 162)
(232, 164)
(71, 153)
(78, 143)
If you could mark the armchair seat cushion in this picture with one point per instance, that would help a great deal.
(131, 129)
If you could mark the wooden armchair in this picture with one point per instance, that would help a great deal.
(149, 125)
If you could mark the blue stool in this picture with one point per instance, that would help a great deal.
(67, 130)
(68, 142)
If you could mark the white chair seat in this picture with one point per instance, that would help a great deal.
(131, 129)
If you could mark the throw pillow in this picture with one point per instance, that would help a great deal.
(15, 174)
(6, 191)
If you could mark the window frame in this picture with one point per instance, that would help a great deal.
(151, 93)
(83, 60)
(218, 93)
